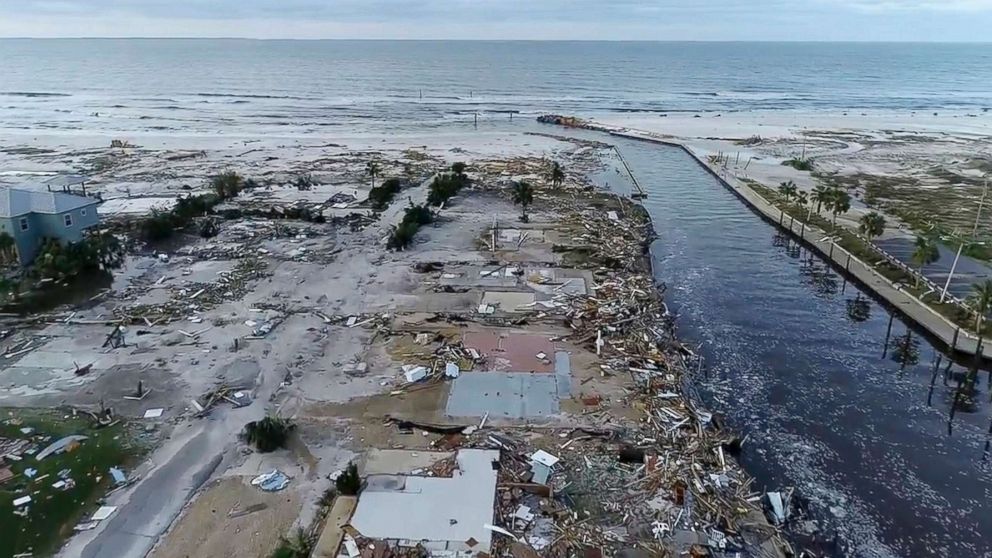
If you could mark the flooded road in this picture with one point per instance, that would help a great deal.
(795, 360)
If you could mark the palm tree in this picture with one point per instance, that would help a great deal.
(788, 190)
(840, 203)
(981, 300)
(872, 225)
(557, 175)
(822, 196)
(523, 194)
(925, 253)
(372, 169)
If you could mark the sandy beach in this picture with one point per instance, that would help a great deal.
(934, 160)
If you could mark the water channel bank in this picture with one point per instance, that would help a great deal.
(805, 379)
(954, 338)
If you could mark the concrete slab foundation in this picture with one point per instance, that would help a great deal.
(503, 395)
(512, 352)
(447, 514)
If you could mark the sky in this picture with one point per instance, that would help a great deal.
(701, 20)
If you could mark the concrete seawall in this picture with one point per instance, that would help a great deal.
(956, 339)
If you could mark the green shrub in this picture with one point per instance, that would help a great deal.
(414, 217)
(227, 185)
(159, 226)
(304, 183)
(444, 187)
(402, 236)
(194, 206)
(348, 482)
(94, 252)
(299, 546)
(799, 164)
(380, 196)
(419, 214)
(268, 434)
(209, 228)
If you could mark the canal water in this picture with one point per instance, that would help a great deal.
(794, 359)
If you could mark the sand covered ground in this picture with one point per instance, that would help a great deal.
(301, 281)
(916, 167)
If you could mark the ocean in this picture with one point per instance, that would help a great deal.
(311, 87)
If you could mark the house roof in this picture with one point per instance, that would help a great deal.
(15, 202)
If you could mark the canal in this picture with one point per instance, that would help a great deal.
(794, 360)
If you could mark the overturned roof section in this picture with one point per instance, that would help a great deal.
(15, 202)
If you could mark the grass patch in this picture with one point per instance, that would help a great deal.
(799, 164)
(870, 255)
(53, 513)
(932, 210)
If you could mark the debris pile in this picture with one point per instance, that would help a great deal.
(663, 484)
(196, 297)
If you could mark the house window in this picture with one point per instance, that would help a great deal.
(68, 219)
(82, 212)
(24, 223)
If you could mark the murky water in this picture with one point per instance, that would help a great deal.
(795, 359)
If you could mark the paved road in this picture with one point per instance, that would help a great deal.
(157, 500)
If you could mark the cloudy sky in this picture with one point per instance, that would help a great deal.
(858, 20)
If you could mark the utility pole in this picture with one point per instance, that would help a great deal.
(974, 238)
(950, 275)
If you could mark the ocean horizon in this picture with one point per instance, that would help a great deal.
(302, 87)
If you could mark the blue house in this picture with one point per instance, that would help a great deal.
(30, 217)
